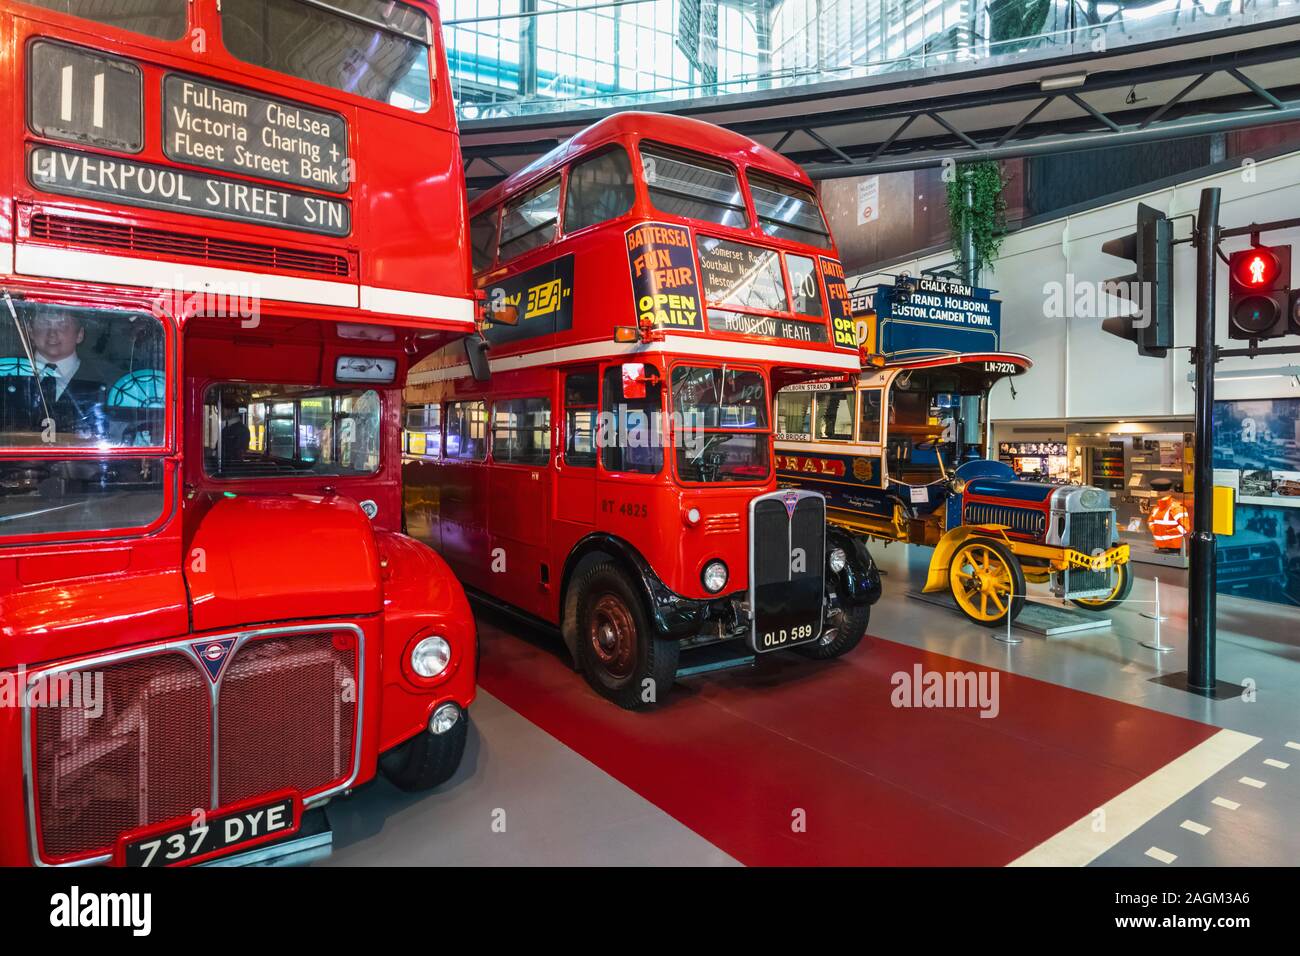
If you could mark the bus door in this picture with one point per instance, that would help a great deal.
(463, 495)
(575, 463)
(519, 495)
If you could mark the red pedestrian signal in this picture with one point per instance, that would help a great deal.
(1256, 268)
(1259, 297)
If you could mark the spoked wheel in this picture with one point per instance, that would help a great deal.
(618, 652)
(987, 582)
(1123, 588)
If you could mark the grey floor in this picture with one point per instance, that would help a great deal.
(520, 798)
(1258, 646)
(523, 798)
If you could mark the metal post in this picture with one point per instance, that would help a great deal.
(969, 267)
(1201, 603)
(1157, 644)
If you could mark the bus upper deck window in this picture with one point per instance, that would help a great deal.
(378, 49)
(160, 19)
(788, 211)
(600, 189)
(693, 187)
(529, 221)
(483, 239)
(804, 288)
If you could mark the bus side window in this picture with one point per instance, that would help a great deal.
(529, 221)
(483, 239)
(466, 431)
(637, 446)
(580, 396)
(422, 435)
(521, 431)
(835, 415)
(870, 415)
(794, 413)
(600, 188)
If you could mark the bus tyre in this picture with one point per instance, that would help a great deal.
(1119, 594)
(617, 650)
(427, 759)
(844, 629)
(987, 581)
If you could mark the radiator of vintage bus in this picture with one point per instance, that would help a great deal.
(169, 739)
(787, 562)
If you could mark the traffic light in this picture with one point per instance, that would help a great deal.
(1259, 293)
(1150, 287)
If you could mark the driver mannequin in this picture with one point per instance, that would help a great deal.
(73, 381)
(235, 435)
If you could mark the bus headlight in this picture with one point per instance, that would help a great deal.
(838, 559)
(714, 576)
(430, 657)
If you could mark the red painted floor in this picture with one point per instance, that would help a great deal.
(735, 755)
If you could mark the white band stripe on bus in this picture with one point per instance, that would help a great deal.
(684, 344)
(83, 266)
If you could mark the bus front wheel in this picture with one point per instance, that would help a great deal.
(987, 581)
(1118, 595)
(619, 654)
(427, 759)
(842, 632)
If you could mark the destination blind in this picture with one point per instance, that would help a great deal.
(206, 124)
(113, 180)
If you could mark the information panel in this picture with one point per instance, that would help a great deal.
(931, 314)
(107, 179)
(837, 294)
(664, 285)
(766, 326)
(218, 127)
(532, 303)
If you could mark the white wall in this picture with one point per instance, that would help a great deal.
(1080, 371)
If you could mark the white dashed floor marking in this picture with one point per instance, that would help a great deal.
(1080, 843)
(1252, 782)
(1225, 803)
(1164, 856)
(1293, 745)
(1279, 764)
(1200, 829)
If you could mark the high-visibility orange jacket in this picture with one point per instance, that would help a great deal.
(1169, 522)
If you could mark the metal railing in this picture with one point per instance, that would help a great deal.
(512, 58)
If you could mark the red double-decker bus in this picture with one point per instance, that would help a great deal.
(650, 285)
(225, 227)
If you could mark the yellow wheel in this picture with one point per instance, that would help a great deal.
(987, 581)
(1118, 594)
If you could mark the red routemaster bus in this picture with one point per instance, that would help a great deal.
(224, 228)
(650, 285)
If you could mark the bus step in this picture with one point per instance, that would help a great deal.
(715, 657)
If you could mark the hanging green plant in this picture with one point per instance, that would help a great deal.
(987, 212)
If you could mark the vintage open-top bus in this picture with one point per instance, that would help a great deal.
(901, 454)
(209, 618)
(650, 284)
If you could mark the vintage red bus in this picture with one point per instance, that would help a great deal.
(650, 285)
(226, 227)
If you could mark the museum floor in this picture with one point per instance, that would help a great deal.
(794, 762)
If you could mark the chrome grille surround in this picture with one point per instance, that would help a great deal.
(189, 647)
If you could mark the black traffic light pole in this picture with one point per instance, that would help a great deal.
(1201, 601)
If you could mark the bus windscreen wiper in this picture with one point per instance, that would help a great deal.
(31, 354)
